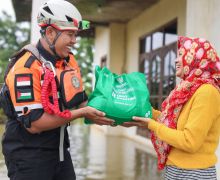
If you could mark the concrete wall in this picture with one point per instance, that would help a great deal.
(117, 47)
(101, 45)
(202, 20)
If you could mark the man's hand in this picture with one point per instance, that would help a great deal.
(138, 121)
(96, 116)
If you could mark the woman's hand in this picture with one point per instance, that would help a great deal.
(96, 116)
(138, 121)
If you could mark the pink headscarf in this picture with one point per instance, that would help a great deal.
(201, 65)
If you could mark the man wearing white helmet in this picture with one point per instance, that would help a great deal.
(35, 142)
(62, 16)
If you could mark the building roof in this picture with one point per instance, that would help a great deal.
(96, 11)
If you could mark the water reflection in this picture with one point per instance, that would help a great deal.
(99, 157)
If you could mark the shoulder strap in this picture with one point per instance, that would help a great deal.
(13, 60)
(30, 48)
(33, 49)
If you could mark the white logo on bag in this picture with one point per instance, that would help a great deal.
(147, 114)
(106, 75)
(120, 80)
(75, 82)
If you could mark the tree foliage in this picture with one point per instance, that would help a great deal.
(83, 52)
(13, 36)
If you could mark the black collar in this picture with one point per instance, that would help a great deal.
(43, 52)
(49, 57)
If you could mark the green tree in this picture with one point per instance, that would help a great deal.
(13, 36)
(83, 52)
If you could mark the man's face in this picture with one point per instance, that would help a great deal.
(65, 42)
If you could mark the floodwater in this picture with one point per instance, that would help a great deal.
(99, 157)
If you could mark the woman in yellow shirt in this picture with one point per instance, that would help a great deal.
(185, 134)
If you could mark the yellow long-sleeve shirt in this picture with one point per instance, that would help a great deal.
(196, 138)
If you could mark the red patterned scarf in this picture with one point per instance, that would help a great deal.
(201, 65)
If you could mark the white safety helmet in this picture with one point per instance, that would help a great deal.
(61, 15)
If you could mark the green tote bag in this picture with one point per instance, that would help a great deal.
(120, 96)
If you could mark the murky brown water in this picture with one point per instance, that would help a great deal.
(99, 157)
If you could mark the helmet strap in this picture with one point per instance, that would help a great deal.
(52, 46)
